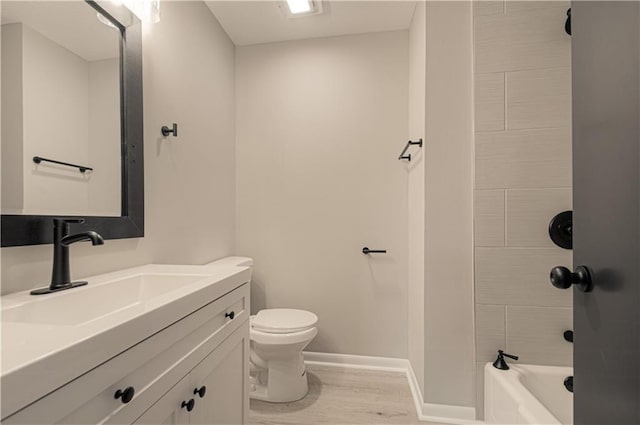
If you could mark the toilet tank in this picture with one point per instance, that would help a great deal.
(233, 261)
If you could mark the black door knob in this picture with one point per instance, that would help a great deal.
(125, 395)
(200, 391)
(230, 315)
(563, 278)
(188, 404)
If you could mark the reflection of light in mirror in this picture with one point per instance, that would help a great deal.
(105, 21)
(148, 11)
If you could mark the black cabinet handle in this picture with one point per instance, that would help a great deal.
(125, 395)
(230, 315)
(563, 278)
(188, 404)
(200, 391)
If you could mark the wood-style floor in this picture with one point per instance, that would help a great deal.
(343, 396)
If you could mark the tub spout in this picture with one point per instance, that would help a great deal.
(500, 362)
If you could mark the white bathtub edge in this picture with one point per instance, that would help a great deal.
(527, 407)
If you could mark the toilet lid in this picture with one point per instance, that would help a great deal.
(283, 320)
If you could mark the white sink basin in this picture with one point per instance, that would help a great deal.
(80, 305)
(49, 340)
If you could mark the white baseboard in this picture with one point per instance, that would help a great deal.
(357, 362)
(428, 412)
(449, 414)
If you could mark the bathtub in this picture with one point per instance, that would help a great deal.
(527, 394)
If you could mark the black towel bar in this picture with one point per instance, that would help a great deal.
(82, 168)
(409, 143)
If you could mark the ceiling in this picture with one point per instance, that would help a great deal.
(256, 22)
(71, 24)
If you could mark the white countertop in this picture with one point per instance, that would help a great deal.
(39, 357)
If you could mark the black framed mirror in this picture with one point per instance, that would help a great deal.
(32, 229)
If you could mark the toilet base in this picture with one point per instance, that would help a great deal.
(283, 381)
(261, 393)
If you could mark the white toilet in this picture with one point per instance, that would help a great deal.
(278, 336)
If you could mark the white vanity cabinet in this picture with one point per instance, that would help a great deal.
(222, 375)
(169, 410)
(207, 348)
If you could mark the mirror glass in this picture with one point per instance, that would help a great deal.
(61, 101)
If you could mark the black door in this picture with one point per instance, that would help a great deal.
(606, 164)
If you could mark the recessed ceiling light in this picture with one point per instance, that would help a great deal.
(298, 8)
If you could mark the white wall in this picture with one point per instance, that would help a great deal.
(416, 195)
(190, 189)
(12, 199)
(448, 152)
(104, 137)
(189, 181)
(320, 125)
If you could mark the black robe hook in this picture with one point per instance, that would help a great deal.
(567, 24)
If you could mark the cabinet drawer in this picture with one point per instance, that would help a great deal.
(150, 367)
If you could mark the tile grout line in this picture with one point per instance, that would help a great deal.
(504, 100)
(506, 327)
(504, 241)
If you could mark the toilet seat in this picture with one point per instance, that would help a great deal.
(281, 339)
(283, 321)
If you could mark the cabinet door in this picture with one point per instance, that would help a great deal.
(168, 410)
(225, 375)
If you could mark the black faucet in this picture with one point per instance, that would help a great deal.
(500, 363)
(60, 275)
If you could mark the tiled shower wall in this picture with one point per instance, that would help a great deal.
(523, 178)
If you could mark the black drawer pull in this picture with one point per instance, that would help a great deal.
(200, 391)
(125, 395)
(188, 404)
(230, 315)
